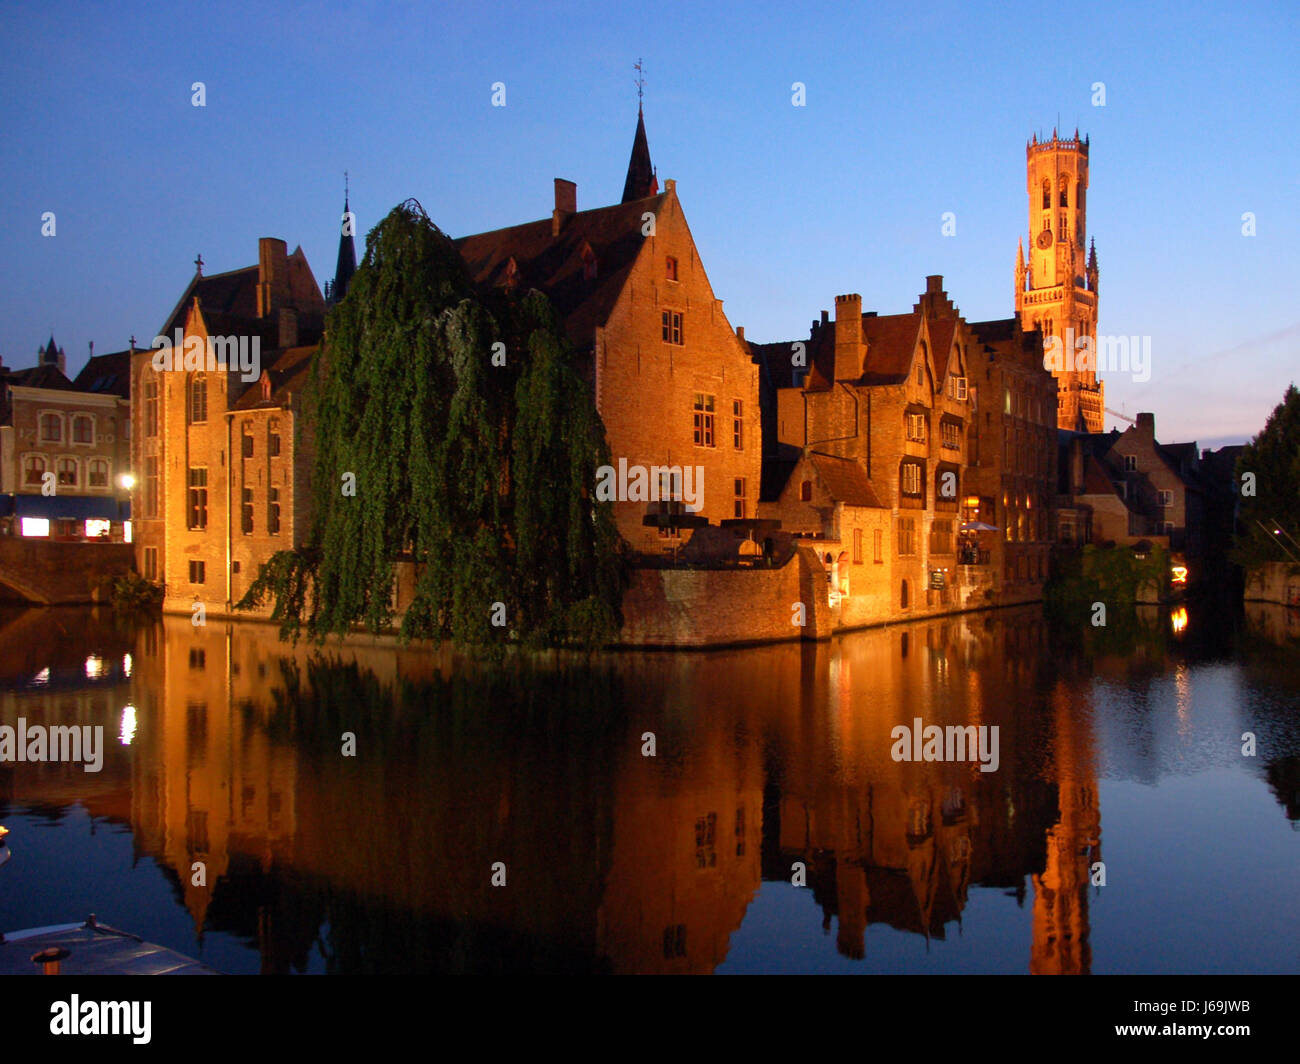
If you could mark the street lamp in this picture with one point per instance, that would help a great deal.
(127, 481)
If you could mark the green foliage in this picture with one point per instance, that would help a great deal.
(1274, 458)
(479, 474)
(1113, 575)
(132, 593)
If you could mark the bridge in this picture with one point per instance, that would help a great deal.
(46, 572)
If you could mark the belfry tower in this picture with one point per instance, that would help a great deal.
(1056, 290)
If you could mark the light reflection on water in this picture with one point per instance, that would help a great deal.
(1119, 749)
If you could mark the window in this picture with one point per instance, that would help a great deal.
(906, 536)
(589, 268)
(878, 542)
(706, 828)
(67, 470)
(941, 538)
(196, 400)
(198, 500)
(151, 563)
(150, 404)
(1130, 463)
(739, 483)
(737, 424)
(675, 941)
(246, 444)
(97, 477)
(911, 479)
(957, 388)
(273, 439)
(916, 427)
(670, 268)
(672, 323)
(920, 375)
(34, 469)
(151, 486)
(904, 599)
(246, 512)
(51, 428)
(805, 491)
(1047, 193)
(703, 420)
(951, 436)
(83, 429)
(857, 546)
(1065, 192)
(273, 512)
(1166, 498)
(198, 575)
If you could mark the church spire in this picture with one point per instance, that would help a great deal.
(641, 180)
(347, 261)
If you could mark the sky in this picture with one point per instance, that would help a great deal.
(910, 111)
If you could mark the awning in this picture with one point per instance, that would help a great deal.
(979, 526)
(67, 507)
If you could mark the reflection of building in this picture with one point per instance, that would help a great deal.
(64, 448)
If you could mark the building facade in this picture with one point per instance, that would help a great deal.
(1056, 291)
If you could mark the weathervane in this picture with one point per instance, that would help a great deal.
(639, 82)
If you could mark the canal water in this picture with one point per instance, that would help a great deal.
(267, 808)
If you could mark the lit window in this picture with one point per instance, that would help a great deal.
(703, 420)
(35, 526)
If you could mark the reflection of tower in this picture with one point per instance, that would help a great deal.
(1061, 926)
(1057, 290)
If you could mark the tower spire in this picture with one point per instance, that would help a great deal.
(641, 180)
(347, 260)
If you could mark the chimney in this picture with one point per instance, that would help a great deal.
(272, 275)
(288, 327)
(1147, 423)
(848, 337)
(826, 316)
(934, 282)
(566, 203)
(740, 333)
(670, 184)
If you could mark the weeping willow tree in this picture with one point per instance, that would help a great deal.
(477, 469)
(1268, 479)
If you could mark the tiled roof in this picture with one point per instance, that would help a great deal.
(891, 345)
(41, 377)
(233, 292)
(1096, 481)
(109, 374)
(289, 373)
(554, 264)
(845, 479)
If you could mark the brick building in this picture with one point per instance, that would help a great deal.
(1011, 482)
(64, 448)
(674, 385)
(222, 452)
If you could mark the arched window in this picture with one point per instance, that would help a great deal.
(1047, 193)
(196, 400)
(805, 491)
(34, 469)
(1065, 192)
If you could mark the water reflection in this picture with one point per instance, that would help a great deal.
(229, 773)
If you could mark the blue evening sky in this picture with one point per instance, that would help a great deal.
(912, 110)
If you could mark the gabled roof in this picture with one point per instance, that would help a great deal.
(942, 331)
(108, 374)
(289, 373)
(845, 479)
(553, 263)
(233, 292)
(1096, 481)
(891, 346)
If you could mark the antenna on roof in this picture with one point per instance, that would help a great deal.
(639, 82)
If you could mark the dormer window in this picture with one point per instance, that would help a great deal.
(512, 273)
(266, 385)
(588, 263)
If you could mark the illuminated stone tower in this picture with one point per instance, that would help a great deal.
(1056, 290)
